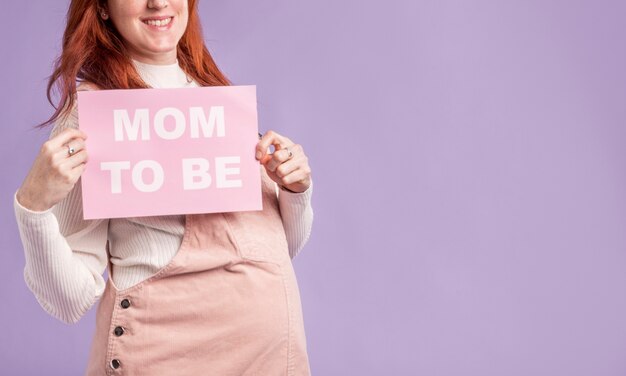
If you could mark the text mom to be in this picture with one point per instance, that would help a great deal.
(195, 171)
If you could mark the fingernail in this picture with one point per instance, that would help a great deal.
(258, 155)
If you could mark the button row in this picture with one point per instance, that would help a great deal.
(115, 363)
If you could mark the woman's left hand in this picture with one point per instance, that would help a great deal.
(288, 165)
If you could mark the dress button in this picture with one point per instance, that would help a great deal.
(115, 364)
(118, 331)
(125, 303)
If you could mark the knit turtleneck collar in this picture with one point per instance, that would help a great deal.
(163, 76)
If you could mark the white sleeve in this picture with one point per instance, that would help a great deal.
(297, 214)
(65, 255)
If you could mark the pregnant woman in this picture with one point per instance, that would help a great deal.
(203, 294)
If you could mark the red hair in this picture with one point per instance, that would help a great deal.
(93, 52)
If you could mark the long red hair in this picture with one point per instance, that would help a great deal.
(93, 52)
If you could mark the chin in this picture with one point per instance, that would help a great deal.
(160, 48)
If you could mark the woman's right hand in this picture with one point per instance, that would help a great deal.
(54, 172)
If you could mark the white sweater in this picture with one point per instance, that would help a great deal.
(66, 255)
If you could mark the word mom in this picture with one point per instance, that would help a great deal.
(198, 121)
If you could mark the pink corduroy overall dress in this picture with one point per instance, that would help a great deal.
(226, 304)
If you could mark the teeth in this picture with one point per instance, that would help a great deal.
(158, 23)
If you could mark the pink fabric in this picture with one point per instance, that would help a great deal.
(226, 304)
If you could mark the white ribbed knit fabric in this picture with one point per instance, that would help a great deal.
(66, 255)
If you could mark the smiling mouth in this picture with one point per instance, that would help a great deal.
(158, 22)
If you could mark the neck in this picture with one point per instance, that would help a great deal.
(156, 59)
(162, 76)
(153, 65)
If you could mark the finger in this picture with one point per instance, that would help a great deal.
(292, 152)
(77, 159)
(71, 176)
(289, 166)
(65, 136)
(78, 171)
(268, 139)
(300, 174)
(76, 144)
(278, 158)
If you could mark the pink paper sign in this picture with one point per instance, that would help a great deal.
(170, 151)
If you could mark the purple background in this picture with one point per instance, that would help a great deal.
(468, 157)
